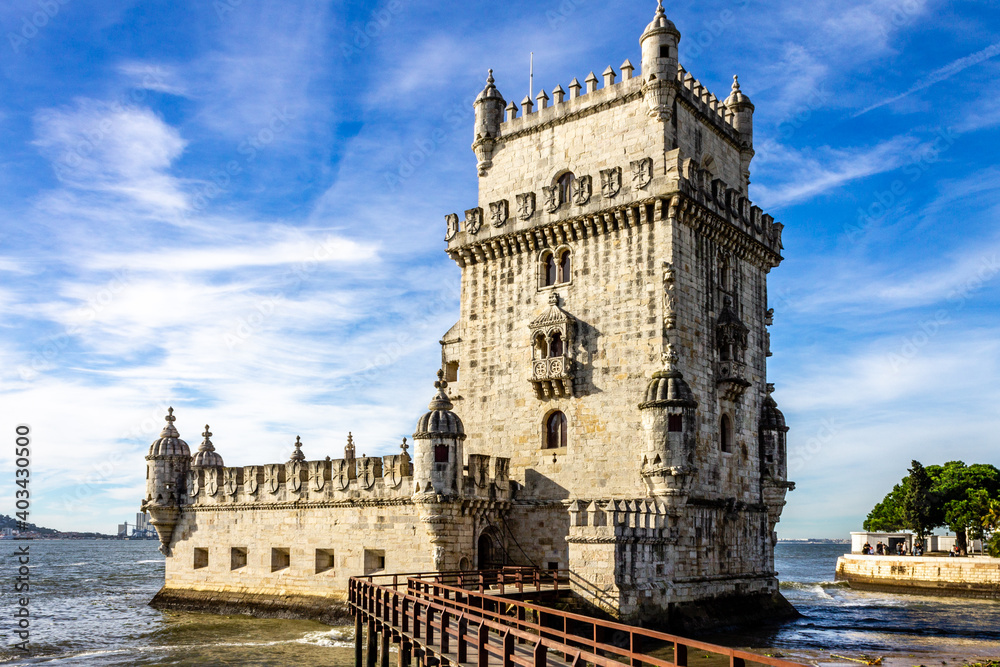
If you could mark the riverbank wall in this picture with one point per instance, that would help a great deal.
(927, 575)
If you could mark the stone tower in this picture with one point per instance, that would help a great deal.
(613, 336)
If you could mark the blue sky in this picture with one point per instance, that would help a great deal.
(236, 208)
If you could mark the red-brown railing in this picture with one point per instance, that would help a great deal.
(450, 616)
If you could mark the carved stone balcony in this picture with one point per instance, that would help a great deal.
(551, 377)
(731, 378)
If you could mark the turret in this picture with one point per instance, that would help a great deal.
(167, 466)
(742, 109)
(669, 422)
(438, 455)
(489, 108)
(773, 461)
(659, 64)
(206, 456)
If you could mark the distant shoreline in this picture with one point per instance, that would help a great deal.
(816, 541)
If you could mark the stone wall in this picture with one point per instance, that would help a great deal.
(929, 575)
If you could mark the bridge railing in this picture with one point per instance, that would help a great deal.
(426, 605)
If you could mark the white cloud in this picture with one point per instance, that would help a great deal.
(114, 149)
(802, 174)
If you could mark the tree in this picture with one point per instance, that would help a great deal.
(991, 524)
(918, 501)
(955, 495)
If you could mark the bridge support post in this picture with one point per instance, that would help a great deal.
(370, 646)
(405, 652)
(384, 648)
(359, 630)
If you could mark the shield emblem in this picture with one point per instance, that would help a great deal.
(582, 190)
(193, 483)
(474, 220)
(499, 212)
(551, 198)
(611, 182)
(272, 477)
(479, 467)
(342, 476)
(232, 480)
(642, 173)
(252, 480)
(526, 205)
(295, 477)
(452, 222)
(317, 474)
(212, 481)
(366, 473)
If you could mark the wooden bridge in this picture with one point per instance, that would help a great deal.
(496, 617)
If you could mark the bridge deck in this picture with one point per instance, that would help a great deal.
(494, 618)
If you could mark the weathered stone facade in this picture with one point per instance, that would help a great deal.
(604, 404)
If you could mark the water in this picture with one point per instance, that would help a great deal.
(89, 608)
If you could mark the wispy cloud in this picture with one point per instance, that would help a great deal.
(939, 75)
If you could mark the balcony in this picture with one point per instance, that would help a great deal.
(551, 378)
(731, 378)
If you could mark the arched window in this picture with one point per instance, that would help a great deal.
(725, 274)
(541, 347)
(555, 431)
(566, 187)
(551, 271)
(726, 434)
(565, 266)
(556, 346)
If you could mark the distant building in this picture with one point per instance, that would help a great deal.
(603, 403)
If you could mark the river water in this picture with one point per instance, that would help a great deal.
(88, 607)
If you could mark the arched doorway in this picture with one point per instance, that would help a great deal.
(489, 552)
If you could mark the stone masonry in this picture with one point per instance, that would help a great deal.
(603, 404)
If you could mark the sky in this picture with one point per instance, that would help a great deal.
(236, 208)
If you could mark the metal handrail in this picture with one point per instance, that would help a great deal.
(428, 591)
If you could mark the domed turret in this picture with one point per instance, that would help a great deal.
(773, 430)
(167, 466)
(169, 443)
(489, 108)
(438, 456)
(206, 456)
(659, 64)
(440, 421)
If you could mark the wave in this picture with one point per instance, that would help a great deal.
(161, 560)
(335, 638)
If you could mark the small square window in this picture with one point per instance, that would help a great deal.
(675, 423)
(374, 561)
(200, 558)
(324, 560)
(664, 51)
(237, 558)
(553, 565)
(280, 559)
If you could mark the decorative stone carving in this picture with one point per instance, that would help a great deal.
(474, 220)
(452, 226)
(479, 470)
(212, 481)
(295, 476)
(731, 339)
(193, 483)
(669, 296)
(368, 471)
(397, 467)
(343, 473)
(272, 477)
(642, 173)
(318, 474)
(499, 212)
(551, 198)
(233, 480)
(583, 188)
(611, 182)
(253, 480)
(526, 205)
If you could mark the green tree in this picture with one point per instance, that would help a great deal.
(918, 501)
(887, 516)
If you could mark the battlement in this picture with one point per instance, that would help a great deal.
(362, 480)
(546, 111)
